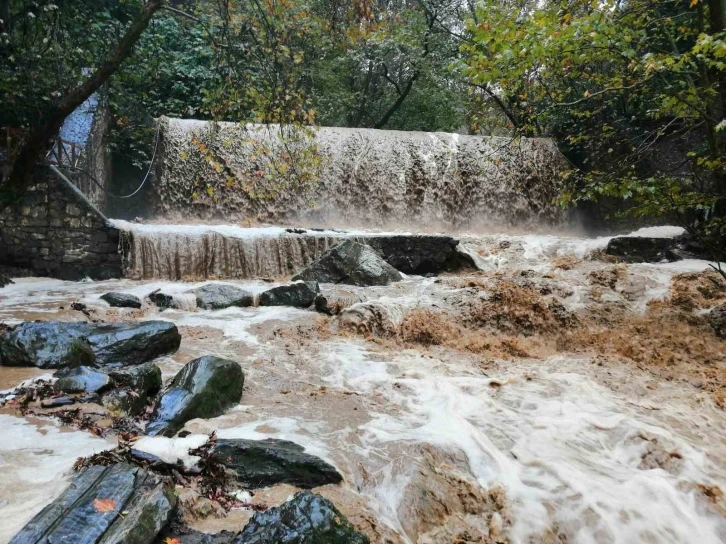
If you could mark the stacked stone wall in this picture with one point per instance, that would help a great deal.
(54, 232)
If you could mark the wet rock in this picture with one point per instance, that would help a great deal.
(46, 345)
(124, 401)
(145, 378)
(58, 344)
(57, 402)
(133, 343)
(4, 280)
(81, 379)
(306, 517)
(194, 537)
(299, 294)
(717, 318)
(122, 300)
(259, 463)
(206, 387)
(334, 301)
(634, 249)
(420, 255)
(89, 511)
(166, 301)
(215, 296)
(351, 263)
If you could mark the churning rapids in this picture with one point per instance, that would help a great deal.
(550, 396)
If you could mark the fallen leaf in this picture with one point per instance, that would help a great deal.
(169, 540)
(104, 505)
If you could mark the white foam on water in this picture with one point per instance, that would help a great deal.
(172, 450)
(665, 231)
(565, 449)
(35, 467)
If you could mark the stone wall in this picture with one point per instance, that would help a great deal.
(55, 232)
(376, 178)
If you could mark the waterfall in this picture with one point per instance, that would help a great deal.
(354, 178)
(188, 252)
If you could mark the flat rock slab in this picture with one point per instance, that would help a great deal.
(299, 295)
(216, 296)
(351, 263)
(306, 518)
(122, 300)
(89, 511)
(57, 344)
(206, 387)
(259, 463)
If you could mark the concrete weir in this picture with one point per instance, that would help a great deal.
(194, 252)
(347, 177)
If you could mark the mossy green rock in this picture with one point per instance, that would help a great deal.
(206, 387)
(81, 379)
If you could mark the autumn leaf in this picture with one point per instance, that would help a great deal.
(169, 540)
(104, 505)
(693, 3)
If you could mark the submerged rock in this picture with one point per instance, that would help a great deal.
(299, 294)
(82, 379)
(124, 401)
(306, 518)
(333, 301)
(58, 344)
(351, 263)
(635, 249)
(717, 318)
(89, 511)
(206, 387)
(4, 280)
(259, 463)
(215, 296)
(122, 300)
(166, 301)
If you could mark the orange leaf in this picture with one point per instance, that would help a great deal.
(693, 3)
(169, 540)
(104, 505)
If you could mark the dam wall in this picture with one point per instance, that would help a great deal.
(353, 177)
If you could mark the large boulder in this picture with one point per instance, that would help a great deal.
(215, 296)
(351, 263)
(82, 379)
(419, 254)
(717, 317)
(104, 505)
(641, 249)
(306, 518)
(122, 300)
(51, 344)
(259, 463)
(300, 295)
(58, 344)
(206, 387)
(133, 343)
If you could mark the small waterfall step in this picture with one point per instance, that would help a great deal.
(197, 252)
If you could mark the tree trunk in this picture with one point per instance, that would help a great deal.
(37, 141)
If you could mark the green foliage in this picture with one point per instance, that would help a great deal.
(633, 92)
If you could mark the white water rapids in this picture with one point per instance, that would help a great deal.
(567, 439)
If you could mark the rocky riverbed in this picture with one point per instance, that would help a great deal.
(550, 392)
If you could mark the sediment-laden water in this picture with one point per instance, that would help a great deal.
(513, 421)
